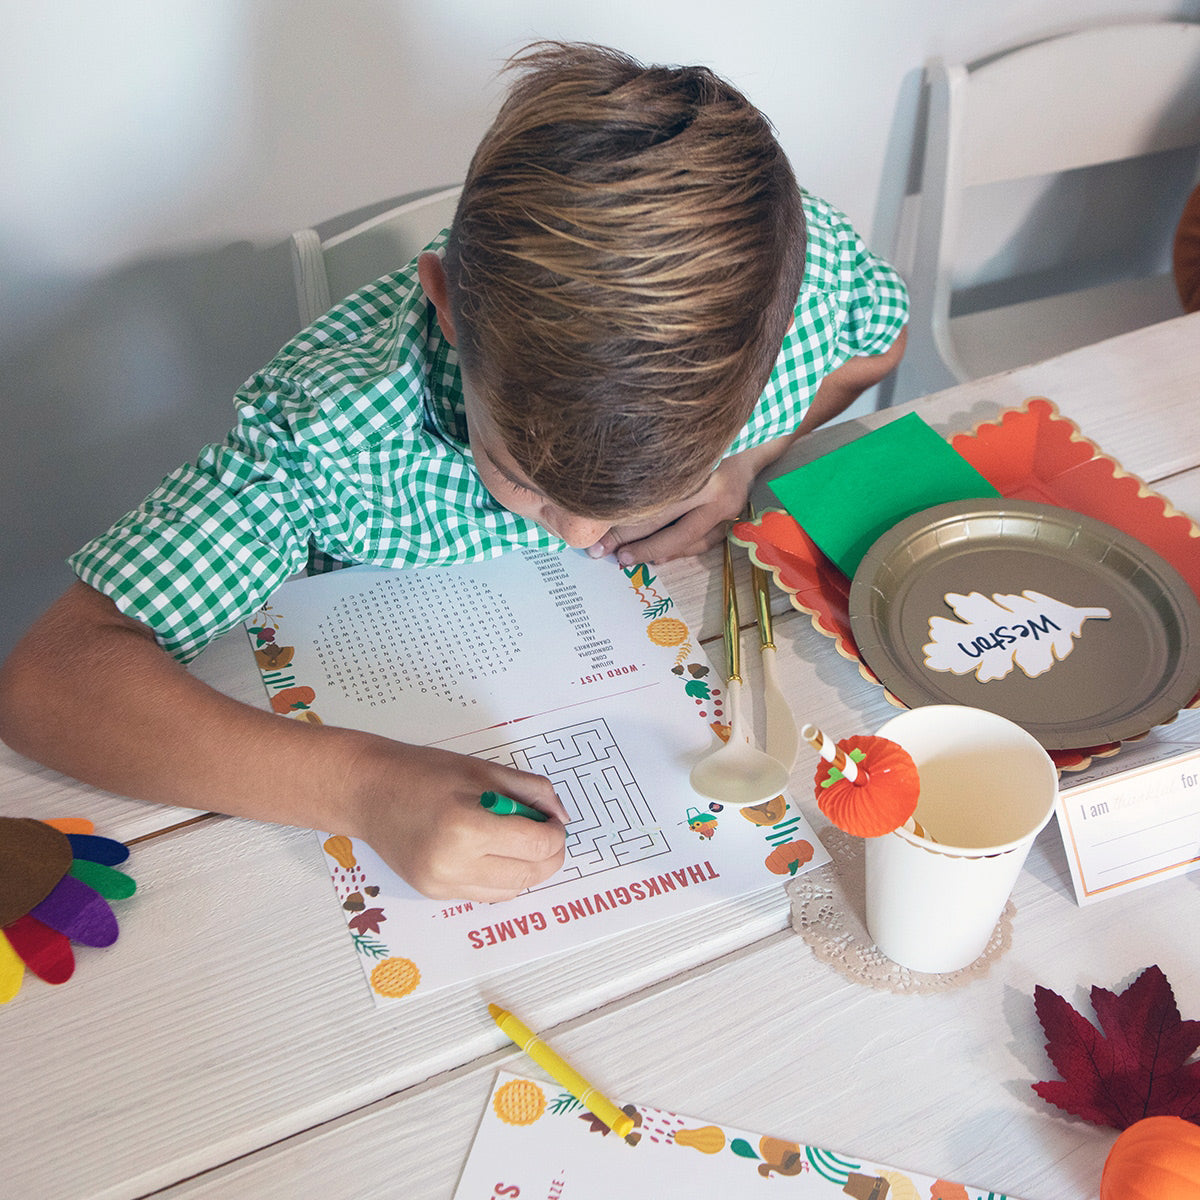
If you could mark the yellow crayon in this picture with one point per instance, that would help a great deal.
(562, 1072)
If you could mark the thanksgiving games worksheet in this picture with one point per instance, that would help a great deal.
(536, 1140)
(555, 663)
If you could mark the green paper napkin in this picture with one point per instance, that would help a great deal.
(847, 498)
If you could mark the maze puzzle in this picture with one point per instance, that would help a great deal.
(612, 823)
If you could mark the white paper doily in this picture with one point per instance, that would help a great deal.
(828, 911)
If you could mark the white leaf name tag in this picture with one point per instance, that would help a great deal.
(992, 636)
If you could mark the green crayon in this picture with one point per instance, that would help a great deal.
(504, 806)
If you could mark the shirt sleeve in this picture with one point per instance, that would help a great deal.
(851, 303)
(216, 538)
(877, 307)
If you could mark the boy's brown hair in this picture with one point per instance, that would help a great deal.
(622, 267)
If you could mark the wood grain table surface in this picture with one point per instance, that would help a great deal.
(226, 1045)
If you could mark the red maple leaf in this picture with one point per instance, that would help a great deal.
(1136, 1065)
(367, 921)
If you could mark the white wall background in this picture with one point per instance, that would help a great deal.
(154, 155)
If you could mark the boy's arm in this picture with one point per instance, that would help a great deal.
(699, 523)
(146, 728)
(841, 387)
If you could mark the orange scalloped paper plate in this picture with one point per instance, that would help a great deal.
(1028, 453)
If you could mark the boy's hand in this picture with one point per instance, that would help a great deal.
(418, 808)
(697, 523)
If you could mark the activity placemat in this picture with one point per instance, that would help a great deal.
(536, 1140)
(557, 664)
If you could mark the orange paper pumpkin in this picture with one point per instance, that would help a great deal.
(883, 796)
(1157, 1158)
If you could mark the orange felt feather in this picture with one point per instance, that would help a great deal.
(884, 796)
(70, 824)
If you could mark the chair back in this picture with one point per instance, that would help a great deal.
(1096, 96)
(1080, 99)
(328, 271)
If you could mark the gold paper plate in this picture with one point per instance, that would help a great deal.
(1118, 676)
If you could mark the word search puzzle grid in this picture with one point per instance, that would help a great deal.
(423, 634)
(612, 824)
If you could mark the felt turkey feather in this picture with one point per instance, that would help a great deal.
(56, 878)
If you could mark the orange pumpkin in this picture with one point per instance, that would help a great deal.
(788, 859)
(1157, 1158)
(293, 700)
(943, 1189)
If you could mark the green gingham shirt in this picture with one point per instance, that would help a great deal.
(351, 444)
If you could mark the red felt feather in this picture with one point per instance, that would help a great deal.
(1135, 1065)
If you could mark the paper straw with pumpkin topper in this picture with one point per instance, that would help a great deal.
(865, 785)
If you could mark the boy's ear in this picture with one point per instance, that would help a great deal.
(434, 284)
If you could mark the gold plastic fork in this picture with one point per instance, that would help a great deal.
(783, 738)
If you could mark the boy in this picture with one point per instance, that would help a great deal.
(594, 357)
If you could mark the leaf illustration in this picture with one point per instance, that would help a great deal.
(1030, 631)
(564, 1102)
(371, 947)
(367, 921)
(1136, 1065)
(594, 1124)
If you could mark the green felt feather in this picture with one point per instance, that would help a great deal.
(112, 885)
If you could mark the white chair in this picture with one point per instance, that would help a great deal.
(326, 272)
(1097, 96)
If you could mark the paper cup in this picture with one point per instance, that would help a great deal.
(987, 790)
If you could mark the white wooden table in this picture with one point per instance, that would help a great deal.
(227, 1045)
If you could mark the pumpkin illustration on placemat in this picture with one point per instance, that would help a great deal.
(56, 878)
(519, 1102)
(789, 858)
(945, 1189)
(395, 977)
(667, 631)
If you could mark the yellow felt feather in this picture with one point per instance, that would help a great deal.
(12, 971)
